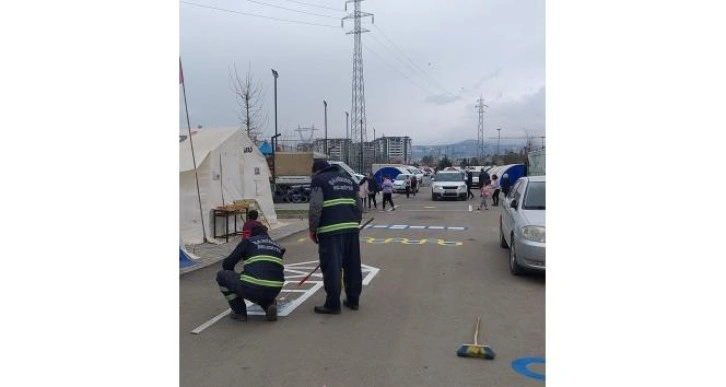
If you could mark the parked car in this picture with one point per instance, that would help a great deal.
(448, 184)
(403, 179)
(418, 173)
(522, 225)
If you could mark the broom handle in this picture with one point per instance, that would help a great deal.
(476, 332)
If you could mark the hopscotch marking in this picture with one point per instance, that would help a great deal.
(293, 274)
(412, 227)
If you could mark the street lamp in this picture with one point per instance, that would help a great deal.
(499, 139)
(325, 106)
(274, 138)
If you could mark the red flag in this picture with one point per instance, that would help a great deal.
(181, 73)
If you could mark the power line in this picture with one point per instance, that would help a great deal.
(399, 59)
(412, 62)
(292, 10)
(316, 6)
(396, 70)
(255, 15)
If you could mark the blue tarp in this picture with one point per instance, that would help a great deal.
(392, 172)
(184, 260)
(265, 148)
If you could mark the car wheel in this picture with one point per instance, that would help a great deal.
(514, 267)
(502, 241)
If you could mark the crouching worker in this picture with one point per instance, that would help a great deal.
(261, 278)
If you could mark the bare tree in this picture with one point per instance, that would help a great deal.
(249, 96)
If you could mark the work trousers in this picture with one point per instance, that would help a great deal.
(495, 197)
(372, 198)
(236, 291)
(340, 252)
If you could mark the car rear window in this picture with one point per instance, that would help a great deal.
(449, 177)
(534, 198)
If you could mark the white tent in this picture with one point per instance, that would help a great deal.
(229, 168)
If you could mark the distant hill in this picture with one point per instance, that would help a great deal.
(466, 149)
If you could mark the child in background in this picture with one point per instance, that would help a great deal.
(486, 191)
(250, 224)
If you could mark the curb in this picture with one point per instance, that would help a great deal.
(206, 262)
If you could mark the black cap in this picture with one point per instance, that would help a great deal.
(258, 229)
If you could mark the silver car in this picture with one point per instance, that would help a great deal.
(522, 225)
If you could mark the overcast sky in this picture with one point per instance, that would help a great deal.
(425, 64)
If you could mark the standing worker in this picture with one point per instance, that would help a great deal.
(333, 219)
(261, 279)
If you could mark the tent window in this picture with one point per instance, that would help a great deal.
(257, 170)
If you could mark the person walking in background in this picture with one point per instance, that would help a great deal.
(363, 192)
(486, 191)
(373, 189)
(333, 218)
(506, 184)
(469, 184)
(495, 194)
(387, 187)
(414, 184)
(408, 186)
(483, 178)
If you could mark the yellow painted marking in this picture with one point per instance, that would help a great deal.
(429, 207)
(301, 240)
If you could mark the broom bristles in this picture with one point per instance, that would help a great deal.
(477, 351)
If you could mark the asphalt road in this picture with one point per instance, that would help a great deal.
(418, 308)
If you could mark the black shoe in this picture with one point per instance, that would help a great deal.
(271, 313)
(324, 310)
(238, 316)
(349, 305)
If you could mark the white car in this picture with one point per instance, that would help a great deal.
(522, 225)
(448, 184)
(401, 181)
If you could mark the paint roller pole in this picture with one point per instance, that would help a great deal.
(302, 281)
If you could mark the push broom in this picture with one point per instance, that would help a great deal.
(476, 349)
(302, 281)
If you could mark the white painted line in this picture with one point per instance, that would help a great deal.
(369, 273)
(207, 324)
(436, 227)
(456, 228)
(398, 227)
(285, 309)
(471, 208)
(417, 227)
(380, 226)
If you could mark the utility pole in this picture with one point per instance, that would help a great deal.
(325, 107)
(347, 137)
(374, 146)
(358, 90)
(480, 133)
(274, 138)
(361, 150)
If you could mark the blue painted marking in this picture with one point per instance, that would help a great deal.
(184, 260)
(520, 366)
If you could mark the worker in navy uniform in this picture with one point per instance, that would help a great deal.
(261, 279)
(333, 219)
